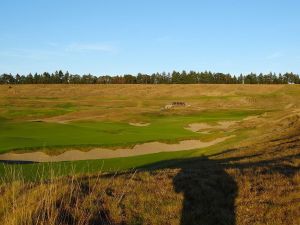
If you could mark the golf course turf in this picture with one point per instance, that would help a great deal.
(57, 118)
(54, 136)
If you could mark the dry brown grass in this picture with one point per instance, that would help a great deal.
(104, 199)
(109, 102)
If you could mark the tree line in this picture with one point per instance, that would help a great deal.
(175, 77)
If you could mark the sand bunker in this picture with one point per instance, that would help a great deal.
(104, 153)
(205, 127)
(249, 118)
(288, 106)
(139, 124)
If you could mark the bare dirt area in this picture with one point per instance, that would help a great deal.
(105, 153)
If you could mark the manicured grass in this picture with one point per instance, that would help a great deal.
(34, 171)
(37, 171)
(54, 136)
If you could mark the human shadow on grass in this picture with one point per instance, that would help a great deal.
(209, 191)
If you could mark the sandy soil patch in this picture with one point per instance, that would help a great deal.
(105, 153)
(288, 106)
(249, 118)
(205, 127)
(139, 124)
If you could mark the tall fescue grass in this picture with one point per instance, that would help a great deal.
(73, 199)
(90, 199)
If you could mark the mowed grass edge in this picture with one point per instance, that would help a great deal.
(40, 171)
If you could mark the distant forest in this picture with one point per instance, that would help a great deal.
(191, 77)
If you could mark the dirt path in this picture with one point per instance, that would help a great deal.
(104, 153)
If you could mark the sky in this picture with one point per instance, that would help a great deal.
(120, 37)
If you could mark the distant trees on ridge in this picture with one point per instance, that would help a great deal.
(183, 77)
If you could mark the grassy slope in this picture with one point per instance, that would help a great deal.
(210, 103)
(255, 179)
(254, 184)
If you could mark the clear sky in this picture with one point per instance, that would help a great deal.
(131, 36)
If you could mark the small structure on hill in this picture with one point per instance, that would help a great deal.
(176, 104)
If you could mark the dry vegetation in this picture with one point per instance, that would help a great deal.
(109, 102)
(257, 181)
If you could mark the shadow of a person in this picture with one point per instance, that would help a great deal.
(209, 193)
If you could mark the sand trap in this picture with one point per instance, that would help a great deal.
(204, 127)
(139, 124)
(289, 106)
(251, 118)
(104, 153)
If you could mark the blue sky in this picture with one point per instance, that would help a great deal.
(118, 36)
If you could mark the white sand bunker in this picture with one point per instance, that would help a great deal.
(249, 118)
(139, 124)
(205, 127)
(104, 153)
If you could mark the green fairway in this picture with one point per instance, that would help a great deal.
(54, 136)
(37, 171)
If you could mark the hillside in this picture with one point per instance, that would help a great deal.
(257, 182)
